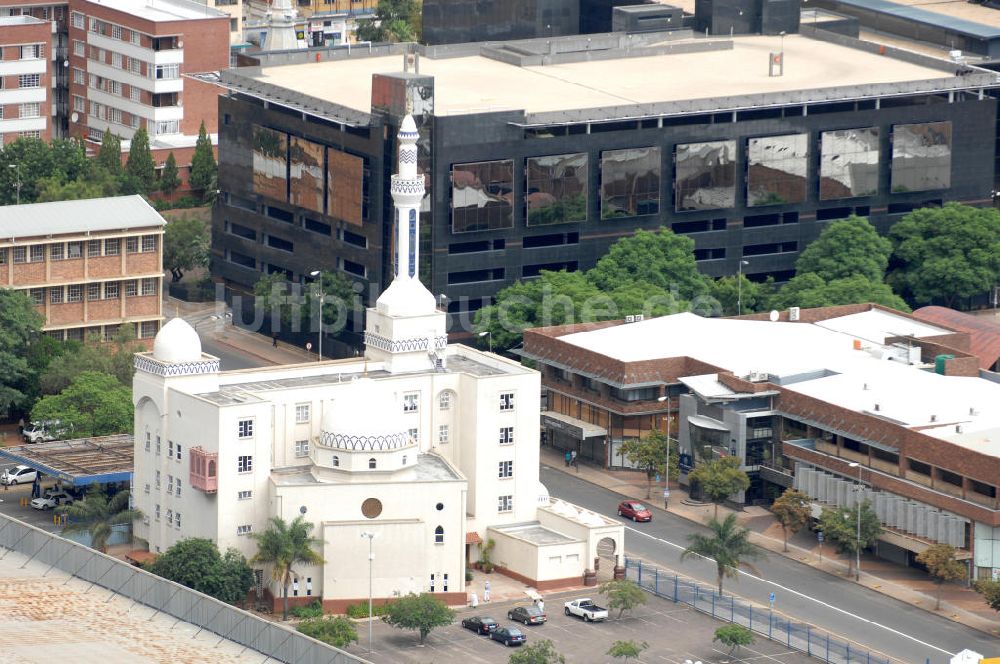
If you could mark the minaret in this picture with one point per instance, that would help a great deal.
(405, 329)
(281, 27)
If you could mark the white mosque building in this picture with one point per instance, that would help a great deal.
(431, 449)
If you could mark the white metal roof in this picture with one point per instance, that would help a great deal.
(62, 217)
(876, 324)
(162, 10)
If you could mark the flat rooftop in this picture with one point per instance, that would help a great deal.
(478, 84)
(535, 533)
(162, 10)
(955, 15)
(80, 461)
(429, 468)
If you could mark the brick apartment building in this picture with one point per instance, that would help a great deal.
(90, 266)
(27, 95)
(844, 403)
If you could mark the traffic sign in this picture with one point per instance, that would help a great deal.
(666, 493)
(771, 598)
(819, 536)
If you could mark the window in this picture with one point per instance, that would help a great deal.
(57, 252)
(112, 247)
(116, 32)
(506, 470)
(134, 37)
(444, 400)
(148, 329)
(74, 293)
(245, 428)
(56, 295)
(93, 292)
(20, 254)
(244, 530)
(135, 94)
(149, 243)
(78, 76)
(301, 413)
(414, 435)
(30, 110)
(170, 517)
(131, 288)
(157, 511)
(115, 115)
(432, 583)
(443, 433)
(167, 72)
(244, 495)
(244, 464)
(371, 463)
(301, 448)
(112, 290)
(411, 402)
(132, 245)
(32, 51)
(157, 446)
(79, 48)
(170, 449)
(178, 517)
(157, 479)
(170, 483)
(29, 80)
(37, 296)
(439, 535)
(506, 435)
(178, 491)
(74, 250)
(93, 246)
(506, 401)
(505, 503)
(77, 20)
(336, 461)
(146, 488)
(147, 441)
(37, 253)
(149, 286)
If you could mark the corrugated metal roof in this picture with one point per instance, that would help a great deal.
(92, 214)
(983, 331)
(925, 17)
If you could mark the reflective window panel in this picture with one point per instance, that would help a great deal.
(306, 174)
(556, 190)
(776, 169)
(705, 175)
(848, 165)
(270, 162)
(630, 182)
(921, 156)
(345, 182)
(482, 195)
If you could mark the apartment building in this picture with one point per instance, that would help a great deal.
(89, 266)
(234, 9)
(27, 105)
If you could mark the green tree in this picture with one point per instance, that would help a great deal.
(282, 546)
(720, 478)
(94, 404)
(394, 21)
(792, 511)
(110, 155)
(337, 295)
(140, 168)
(539, 652)
(204, 169)
(727, 544)
(338, 631)
(939, 559)
(421, 612)
(659, 258)
(272, 294)
(847, 248)
(98, 185)
(185, 246)
(990, 590)
(733, 636)
(170, 179)
(623, 595)
(97, 514)
(114, 357)
(840, 526)
(627, 650)
(650, 454)
(753, 297)
(944, 255)
(196, 562)
(19, 328)
(810, 290)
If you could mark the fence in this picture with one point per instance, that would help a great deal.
(796, 635)
(276, 641)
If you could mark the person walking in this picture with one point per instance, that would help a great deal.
(541, 605)
(569, 458)
(274, 340)
(572, 458)
(20, 427)
(486, 592)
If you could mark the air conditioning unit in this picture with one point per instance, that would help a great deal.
(629, 319)
(793, 313)
(638, 318)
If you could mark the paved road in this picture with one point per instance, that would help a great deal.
(230, 357)
(881, 623)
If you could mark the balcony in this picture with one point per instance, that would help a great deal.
(204, 470)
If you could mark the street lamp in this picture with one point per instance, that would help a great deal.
(666, 479)
(857, 506)
(490, 334)
(371, 557)
(322, 300)
(17, 183)
(739, 287)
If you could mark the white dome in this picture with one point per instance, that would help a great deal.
(177, 342)
(543, 495)
(363, 408)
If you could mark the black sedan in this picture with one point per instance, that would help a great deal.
(529, 615)
(480, 624)
(509, 636)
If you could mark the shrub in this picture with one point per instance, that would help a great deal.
(361, 610)
(314, 610)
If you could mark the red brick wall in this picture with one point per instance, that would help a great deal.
(15, 35)
(103, 267)
(144, 263)
(66, 313)
(29, 273)
(66, 270)
(142, 306)
(99, 310)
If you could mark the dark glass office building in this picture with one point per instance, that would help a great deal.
(539, 161)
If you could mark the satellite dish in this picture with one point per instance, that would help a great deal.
(75, 117)
(180, 43)
(774, 316)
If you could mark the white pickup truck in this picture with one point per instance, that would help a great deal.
(586, 609)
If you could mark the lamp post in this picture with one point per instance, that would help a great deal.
(666, 478)
(371, 558)
(490, 335)
(857, 507)
(322, 301)
(17, 183)
(739, 287)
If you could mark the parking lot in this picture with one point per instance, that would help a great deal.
(674, 632)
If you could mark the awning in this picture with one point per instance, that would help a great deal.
(473, 538)
(571, 425)
(706, 423)
(79, 462)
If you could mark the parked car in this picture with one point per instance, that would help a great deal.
(509, 636)
(586, 609)
(529, 615)
(50, 500)
(18, 475)
(480, 624)
(634, 510)
(45, 431)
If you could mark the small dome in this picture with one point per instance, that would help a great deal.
(543, 495)
(177, 342)
(362, 408)
(408, 126)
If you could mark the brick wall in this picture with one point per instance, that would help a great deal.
(142, 306)
(29, 273)
(66, 313)
(103, 267)
(962, 366)
(144, 263)
(67, 270)
(104, 310)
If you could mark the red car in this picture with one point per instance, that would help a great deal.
(634, 510)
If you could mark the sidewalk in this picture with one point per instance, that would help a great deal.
(958, 603)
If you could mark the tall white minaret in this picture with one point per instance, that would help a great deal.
(281, 27)
(405, 329)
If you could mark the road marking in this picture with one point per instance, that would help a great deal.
(804, 596)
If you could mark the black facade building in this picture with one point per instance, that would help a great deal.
(511, 192)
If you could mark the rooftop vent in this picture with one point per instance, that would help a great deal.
(973, 412)
(878, 407)
(958, 428)
(865, 387)
(933, 418)
(793, 313)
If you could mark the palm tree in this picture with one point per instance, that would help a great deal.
(283, 545)
(97, 514)
(727, 545)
